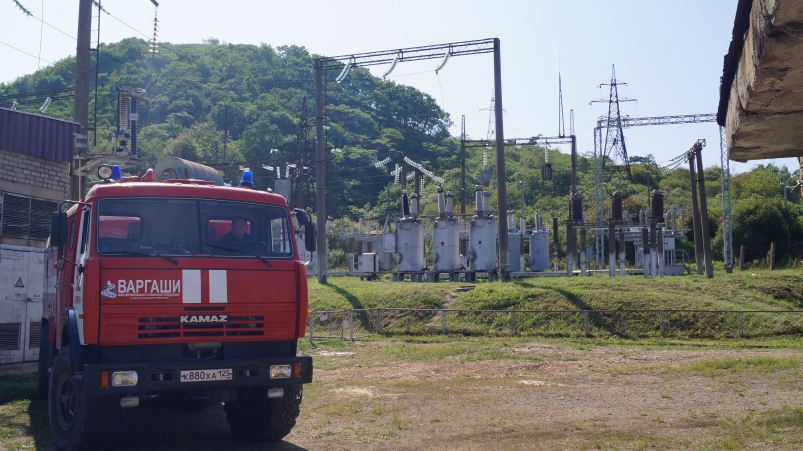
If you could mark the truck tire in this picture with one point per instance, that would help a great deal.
(256, 417)
(45, 362)
(79, 422)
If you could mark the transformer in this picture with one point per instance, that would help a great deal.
(445, 254)
(482, 235)
(539, 246)
(410, 238)
(514, 239)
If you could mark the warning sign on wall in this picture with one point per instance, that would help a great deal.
(19, 283)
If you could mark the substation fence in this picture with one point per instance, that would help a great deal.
(630, 324)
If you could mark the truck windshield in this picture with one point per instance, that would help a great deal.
(176, 227)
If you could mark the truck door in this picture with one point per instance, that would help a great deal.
(81, 253)
(13, 308)
(34, 287)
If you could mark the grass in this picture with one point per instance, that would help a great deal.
(749, 290)
(715, 367)
(23, 416)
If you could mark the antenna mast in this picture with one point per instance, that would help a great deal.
(561, 121)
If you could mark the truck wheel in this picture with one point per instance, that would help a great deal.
(45, 362)
(256, 417)
(77, 421)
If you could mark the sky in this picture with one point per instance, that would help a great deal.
(669, 53)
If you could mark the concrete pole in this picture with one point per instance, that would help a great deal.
(463, 166)
(645, 251)
(81, 89)
(695, 215)
(741, 257)
(706, 236)
(320, 160)
(555, 242)
(622, 255)
(653, 250)
(569, 250)
(574, 165)
(501, 187)
(611, 249)
(772, 256)
(661, 252)
(583, 255)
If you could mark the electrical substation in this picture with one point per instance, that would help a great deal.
(465, 246)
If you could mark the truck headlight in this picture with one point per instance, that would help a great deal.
(280, 371)
(124, 378)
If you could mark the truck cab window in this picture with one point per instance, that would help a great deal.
(84, 231)
(71, 238)
(184, 227)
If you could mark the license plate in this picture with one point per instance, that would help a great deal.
(206, 375)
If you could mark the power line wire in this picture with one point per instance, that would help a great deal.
(23, 51)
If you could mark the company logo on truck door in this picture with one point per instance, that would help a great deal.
(186, 287)
(144, 289)
(109, 291)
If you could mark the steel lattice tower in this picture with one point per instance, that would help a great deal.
(613, 155)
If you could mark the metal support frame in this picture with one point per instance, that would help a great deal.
(599, 188)
(324, 64)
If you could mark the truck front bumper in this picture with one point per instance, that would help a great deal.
(166, 376)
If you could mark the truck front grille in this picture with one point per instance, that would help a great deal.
(169, 327)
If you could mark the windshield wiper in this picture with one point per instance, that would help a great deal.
(152, 254)
(231, 249)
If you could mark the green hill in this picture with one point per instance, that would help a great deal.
(256, 92)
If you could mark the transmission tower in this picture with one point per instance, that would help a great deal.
(614, 153)
(303, 158)
(491, 125)
(485, 172)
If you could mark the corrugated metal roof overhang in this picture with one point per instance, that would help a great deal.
(37, 135)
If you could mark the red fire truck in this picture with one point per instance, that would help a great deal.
(180, 294)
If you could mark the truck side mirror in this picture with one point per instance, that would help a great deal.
(309, 236)
(302, 216)
(58, 228)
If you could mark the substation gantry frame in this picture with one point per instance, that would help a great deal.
(394, 56)
(725, 177)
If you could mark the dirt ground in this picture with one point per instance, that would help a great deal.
(544, 395)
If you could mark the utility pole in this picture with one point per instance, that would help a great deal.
(320, 160)
(225, 131)
(695, 215)
(521, 183)
(706, 236)
(301, 154)
(501, 187)
(786, 214)
(81, 91)
(574, 151)
(463, 166)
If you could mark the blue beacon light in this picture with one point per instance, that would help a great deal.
(116, 174)
(247, 179)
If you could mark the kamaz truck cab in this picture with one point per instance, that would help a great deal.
(179, 294)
